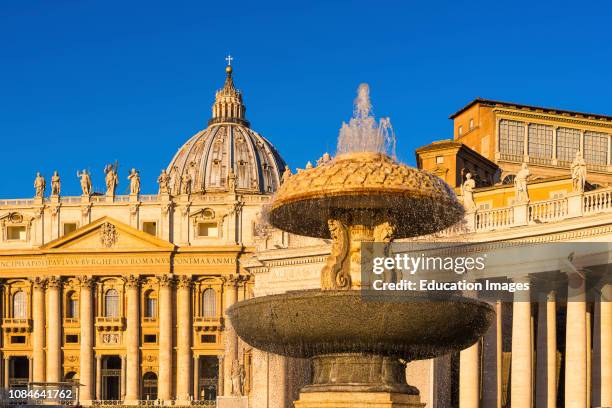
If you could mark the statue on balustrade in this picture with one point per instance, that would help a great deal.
(520, 184)
(579, 173)
(55, 184)
(467, 190)
(111, 178)
(85, 180)
(164, 182)
(40, 185)
(134, 178)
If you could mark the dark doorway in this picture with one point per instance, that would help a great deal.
(149, 386)
(111, 378)
(209, 377)
(19, 371)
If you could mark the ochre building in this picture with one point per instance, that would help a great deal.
(125, 294)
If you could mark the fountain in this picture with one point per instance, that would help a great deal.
(359, 348)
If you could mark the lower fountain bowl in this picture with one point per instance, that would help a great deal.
(313, 322)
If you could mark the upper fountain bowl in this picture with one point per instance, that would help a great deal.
(416, 201)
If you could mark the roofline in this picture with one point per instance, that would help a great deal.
(492, 103)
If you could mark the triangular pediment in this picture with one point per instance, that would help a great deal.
(108, 234)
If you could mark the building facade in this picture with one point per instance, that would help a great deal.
(126, 293)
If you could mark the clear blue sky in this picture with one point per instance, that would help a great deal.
(83, 83)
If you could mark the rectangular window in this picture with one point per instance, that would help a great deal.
(568, 143)
(596, 147)
(540, 141)
(150, 338)
(512, 138)
(460, 130)
(16, 233)
(150, 227)
(471, 124)
(208, 338)
(207, 229)
(18, 339)
(69, 227)
(72, 338)
(439, 159)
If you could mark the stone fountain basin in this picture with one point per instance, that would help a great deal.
(313, 322)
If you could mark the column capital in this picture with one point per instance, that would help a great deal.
(184, 282)
(54, 282)
(86, 281)
(38, 283)
(132, 281)
(166, 281)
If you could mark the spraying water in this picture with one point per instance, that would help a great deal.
(362, 133)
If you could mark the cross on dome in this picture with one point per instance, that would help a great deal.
(229, 59)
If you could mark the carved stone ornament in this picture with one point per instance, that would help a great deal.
(55, 209)
(86, 281)
(15, 218)
(85, 209)
(54, 282)
(132, 281)
(38, 283)
(111, 338)
(108, 235)
(134, 208)
(165, 208)
(336, 273)
(183, 282)
(165, 281)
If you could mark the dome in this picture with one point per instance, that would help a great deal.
(227, 149)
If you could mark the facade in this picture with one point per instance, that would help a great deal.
(126, 294)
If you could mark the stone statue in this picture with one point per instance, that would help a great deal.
(579, 173)
(309, 165)
(286, 174)
(231, 180)
(111, 178)
(467, 189)
(85, 182)
(164, 182)
(186, 183)
(237, 375)
(324, 159)
(134, 178)
(520, 184)
(40, 185)
(55, 184)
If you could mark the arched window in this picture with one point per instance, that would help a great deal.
(209, 303)
(149, 386)
(111, 303)
(72, 305)
(20, 305)
(150, 304)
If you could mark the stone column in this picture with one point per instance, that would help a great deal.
(522, 352)
(98, 377)
(492, 361)
(30, 368)
(231, 339)
(7, 362)
(38, 330)
(86, 393)
(132, 377)
(576, 345)
(602, 350)
(183, 363)
(54, 330)
(221, 383)
(526, 143)
(196, 377)
(165, 338)
(123, 377)
(469, 370)
(546, 376)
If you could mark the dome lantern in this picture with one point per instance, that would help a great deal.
(228, 106)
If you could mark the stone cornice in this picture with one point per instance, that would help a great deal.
(554, 118)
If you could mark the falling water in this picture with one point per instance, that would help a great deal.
(362, 133)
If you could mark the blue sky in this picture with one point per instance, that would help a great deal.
(83, 83)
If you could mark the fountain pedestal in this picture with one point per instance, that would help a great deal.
(357, 400)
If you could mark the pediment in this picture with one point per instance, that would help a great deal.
(108, 234)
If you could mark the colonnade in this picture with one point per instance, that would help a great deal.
(177, 377)
(534, 380)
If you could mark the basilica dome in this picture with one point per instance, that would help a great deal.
(228, 148)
